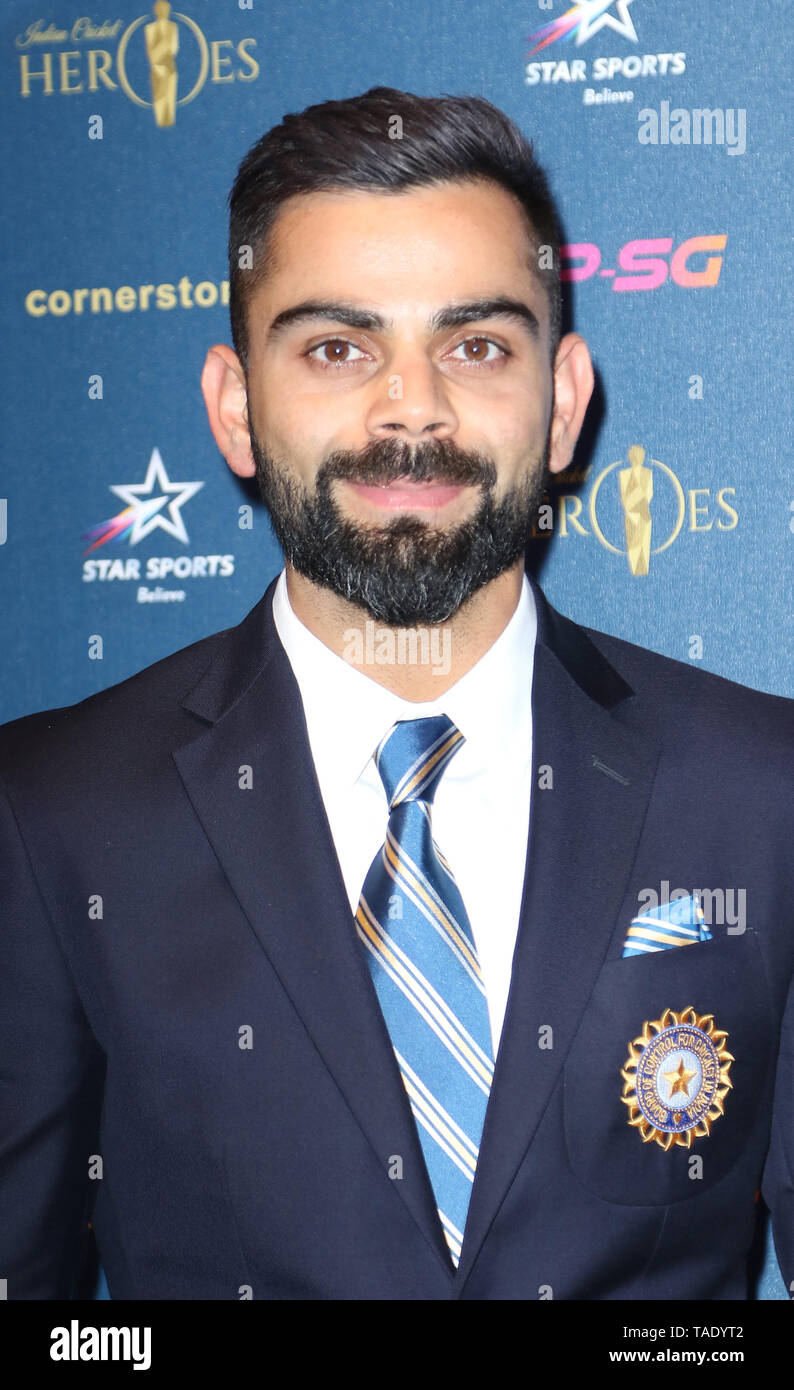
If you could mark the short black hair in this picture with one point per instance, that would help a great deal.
(384, 140)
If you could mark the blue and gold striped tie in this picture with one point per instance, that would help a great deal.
(424, 965)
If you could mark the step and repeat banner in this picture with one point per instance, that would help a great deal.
(665, 128)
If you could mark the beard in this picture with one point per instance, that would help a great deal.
(404, 572)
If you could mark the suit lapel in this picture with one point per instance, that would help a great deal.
(584, 831)
(274, 844)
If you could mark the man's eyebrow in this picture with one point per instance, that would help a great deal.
(368, 320)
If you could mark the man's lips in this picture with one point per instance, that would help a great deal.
(405, 492)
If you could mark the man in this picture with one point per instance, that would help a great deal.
(347, 975)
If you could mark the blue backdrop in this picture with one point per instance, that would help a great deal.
(665, 127)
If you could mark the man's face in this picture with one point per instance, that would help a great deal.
(400, 455)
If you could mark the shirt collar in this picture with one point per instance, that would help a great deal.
(347, 713)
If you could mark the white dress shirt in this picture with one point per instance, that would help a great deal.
(480, 814)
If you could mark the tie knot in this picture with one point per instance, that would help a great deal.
(412, 756)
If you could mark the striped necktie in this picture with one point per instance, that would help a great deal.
(423, 962)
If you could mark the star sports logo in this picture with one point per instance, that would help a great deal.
(154, 503)
(584, 21)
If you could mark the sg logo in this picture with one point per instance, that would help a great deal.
(644, 260)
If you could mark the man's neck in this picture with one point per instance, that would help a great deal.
(416, 663)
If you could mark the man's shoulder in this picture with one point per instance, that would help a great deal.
(146, 706)
(673, 691)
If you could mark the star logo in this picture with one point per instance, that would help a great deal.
(154, 503)
(679, 1079)
(149, 514)
(597, 17)
(584, 20)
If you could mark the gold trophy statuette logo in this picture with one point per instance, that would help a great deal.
(636, 491)
(162, 46)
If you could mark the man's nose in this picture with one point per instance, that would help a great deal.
(412, 401)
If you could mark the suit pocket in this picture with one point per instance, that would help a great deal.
(724, 978)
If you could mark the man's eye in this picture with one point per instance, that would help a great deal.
(480, 356)
(340, 354)
(336, 352)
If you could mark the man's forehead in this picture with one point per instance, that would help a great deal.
(398, 244)
(448, 210)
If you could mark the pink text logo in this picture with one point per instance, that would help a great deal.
(645, 264)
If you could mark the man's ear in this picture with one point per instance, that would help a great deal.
(573, 387)
(223, 388)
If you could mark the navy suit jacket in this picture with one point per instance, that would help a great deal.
(214, 1038)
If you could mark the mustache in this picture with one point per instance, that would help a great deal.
(382, 461)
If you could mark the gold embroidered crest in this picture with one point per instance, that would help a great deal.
(675, 1078)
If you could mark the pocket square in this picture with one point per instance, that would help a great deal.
(679, 922)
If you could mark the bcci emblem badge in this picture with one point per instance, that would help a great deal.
(676, 1078)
